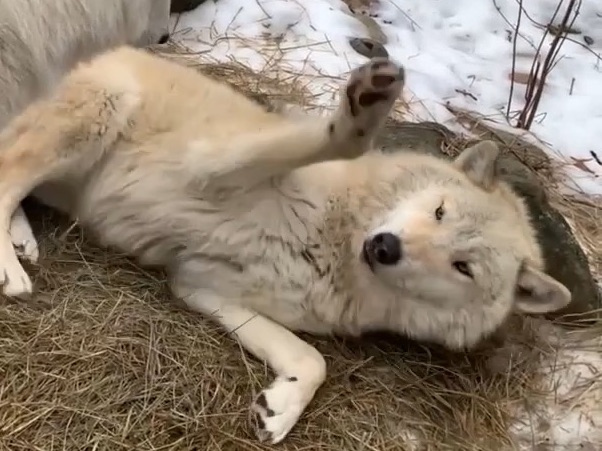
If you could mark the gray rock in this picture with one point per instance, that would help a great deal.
(182, 6)
(564, 257)
(368, 47)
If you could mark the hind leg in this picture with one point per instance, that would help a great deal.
(49, 139)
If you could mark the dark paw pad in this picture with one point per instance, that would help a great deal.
(368, 99)
(379, 81)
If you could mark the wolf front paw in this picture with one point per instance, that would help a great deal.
(13, 278)
(371, 92)
(21, 235)
(366, 100)
(277, 408)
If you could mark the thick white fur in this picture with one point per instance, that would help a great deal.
(261, 218)
(41, 40)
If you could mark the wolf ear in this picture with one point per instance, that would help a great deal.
(537, 292)
(479, 163)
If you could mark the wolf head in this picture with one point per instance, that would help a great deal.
(449, 251)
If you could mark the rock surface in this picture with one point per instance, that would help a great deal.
(182, 6)
(368, 48)
(565, 259)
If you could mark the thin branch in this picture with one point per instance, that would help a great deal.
(540, 72)
(514, 41)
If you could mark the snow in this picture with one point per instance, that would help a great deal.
(300, 34)
(569, 414)
(458, 55)
(467, 46)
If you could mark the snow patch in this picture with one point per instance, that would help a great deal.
(569, 414)
(455, 53)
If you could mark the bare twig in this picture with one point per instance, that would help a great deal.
(514, 40)
(536, 63)
(537, 77)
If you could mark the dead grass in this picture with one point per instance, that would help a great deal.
(102, 360)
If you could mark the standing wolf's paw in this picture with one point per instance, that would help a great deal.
(366, 100)
(277, 408)
(13, 278)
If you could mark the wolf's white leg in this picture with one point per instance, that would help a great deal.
(24, 241)
(300, 369)
(13, 277)
(292, 111)
(365, 102)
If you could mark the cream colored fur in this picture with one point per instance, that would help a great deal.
(41, 40)
(263, 219)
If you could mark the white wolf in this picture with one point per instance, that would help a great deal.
(41, 40)
(271, 224)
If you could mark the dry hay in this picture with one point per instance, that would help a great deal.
(101, 360)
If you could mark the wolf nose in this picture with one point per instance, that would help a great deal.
(385, 248)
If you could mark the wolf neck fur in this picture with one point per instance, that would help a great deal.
(352, 307)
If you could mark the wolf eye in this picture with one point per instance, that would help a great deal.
(463, 268)
(439, 212)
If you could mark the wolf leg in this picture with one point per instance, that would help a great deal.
(300, 369)
(22, 237)
(49, 138)
(365, 102)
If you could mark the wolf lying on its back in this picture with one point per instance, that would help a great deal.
(272, 224)
(41, 40)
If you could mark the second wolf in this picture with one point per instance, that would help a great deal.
(42, 40)
(271, 225)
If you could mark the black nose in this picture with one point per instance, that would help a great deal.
(163, 39)
(385, 248)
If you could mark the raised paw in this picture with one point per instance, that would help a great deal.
(369, 96)
(13, 278)
(277, 408)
